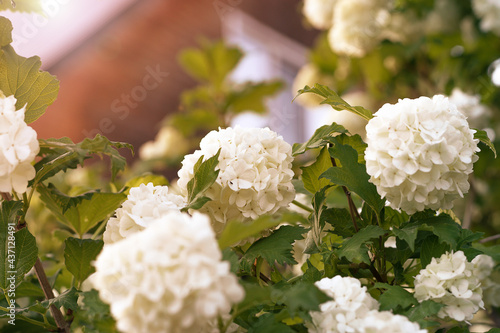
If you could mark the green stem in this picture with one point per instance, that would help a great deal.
(304, 207)
(99, 230)
(36, 322)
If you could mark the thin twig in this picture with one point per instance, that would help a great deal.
(6, 196)
(489, 239)
(352, 207)
(301, 205)
(47, 291)
(469, 203)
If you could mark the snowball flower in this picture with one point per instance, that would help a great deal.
(385, 321)
(144, 204)
(489, 279)
(18, 147)
(319, 13)
(489, 13)
(170, 277)
(169, 143)
(358, 26)
(420, 153)
(478, 115)
(350, 304)
(255, 173)
(450, 280)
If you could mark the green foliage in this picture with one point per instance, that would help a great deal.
(483, 137)
(334, 100)
(319, 138)
(5, 31)
(83, 212)
(79, 255)
(204, 175)
(251, 96)
(395, 298)
(422, 311)
(355, 249)
(311, 173)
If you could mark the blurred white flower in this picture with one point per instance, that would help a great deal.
(255, 173)
(358, 26)
(169, 143)
(167, 278)
(350, 304)
(450, 280)
(319, 13)
(478, 115)
(18, 147)
(144, 205)
(489, 13)
(489, 279)
(385, 322)
(420, 153)
(495, 72)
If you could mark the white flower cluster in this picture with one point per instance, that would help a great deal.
(169, 143)
(144, 204)
(167, 278)
(319, 13)
(489, 13)
(478, 115)
(420, 153)
(450, 280)
(255, 173)
(353, 310)
(489, 279)
(18, 147)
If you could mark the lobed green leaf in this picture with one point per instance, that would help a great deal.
(79, 255)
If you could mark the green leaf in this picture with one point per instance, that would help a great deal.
(408, 234)
(432, 248)
(236, 231)
(31, 87)
(334, 100)
(267, 323)
(79, 254)
(91, 302)
(319, 138)
(85, 213)
(312, 274)
(423, 310)
(354, 249)
(18, 250)
(395, 297)
(443, 226)
(353, 175)
(68, 299)
(204, 176)
(356, 142)
(28, 6)
(299, 297)
(277, 247)
(311, 173)
(492, 251)
(5, 31)
(251, 97)
(340, 220)
(483, 137)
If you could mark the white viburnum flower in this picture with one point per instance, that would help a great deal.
(489, 279)
(170, 277)
(254, 178)
(350, 303)
(489, 13)
(420, 153)
(478, 115)
(169, 143)
(385, 322)
(18, 147)
(144, 204)
(450, 280)
(358, 26)
(319, 13)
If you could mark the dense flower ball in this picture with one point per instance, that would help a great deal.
(169, 143)
(420, 153)
(350, 304)
(489, 279)
(255, 173)
(167, 278)
(385, 322)
(144, 204)
(319, 13)
(18, 147)
(489, 12)
(450, 280)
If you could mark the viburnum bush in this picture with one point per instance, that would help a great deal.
(335, 234)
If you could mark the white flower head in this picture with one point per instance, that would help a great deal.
(384, 322)
(489, 13)
(167, 278)
(18, 147)
(489, 279)
(420, 153)
(254, 178)
(478, 115)
(319, 13)
(450, 280)
(144, 204)
(350, 303)
(169, 143)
